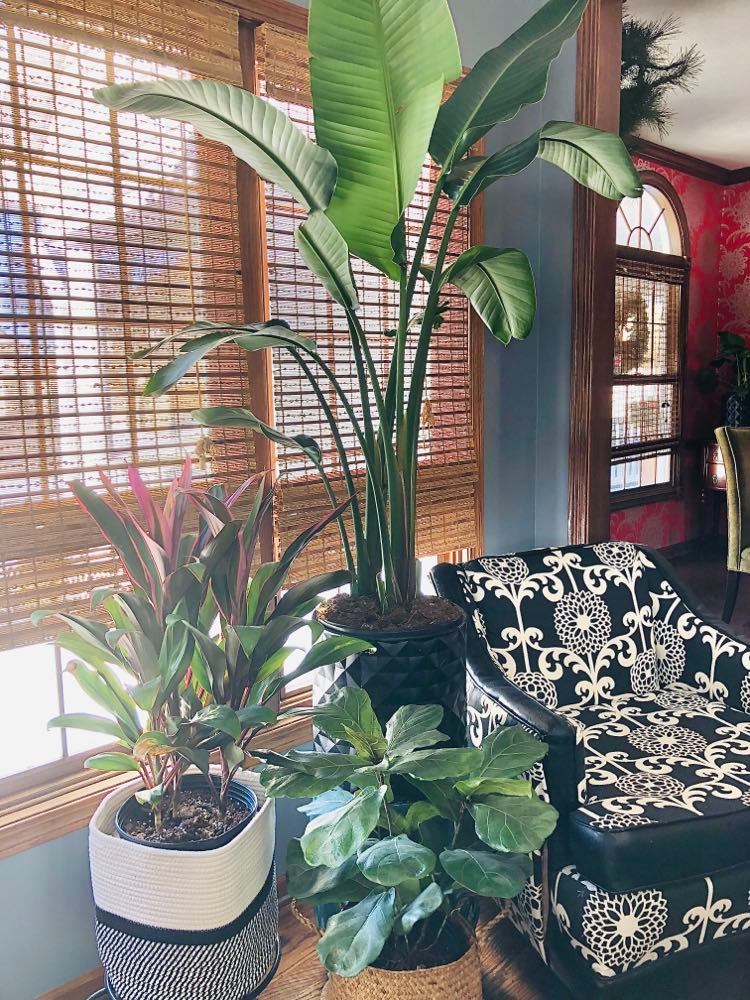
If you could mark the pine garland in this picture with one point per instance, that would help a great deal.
(650, 71)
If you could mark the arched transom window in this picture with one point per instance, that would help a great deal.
(649, 223)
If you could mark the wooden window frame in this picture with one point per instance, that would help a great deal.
(52, 800)
(672, 490)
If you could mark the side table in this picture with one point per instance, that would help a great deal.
(713, 487)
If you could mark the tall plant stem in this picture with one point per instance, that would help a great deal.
(359, 536)
(401, 335)
(394, 393)
(370, 457)
(392, 535)
(416, 391)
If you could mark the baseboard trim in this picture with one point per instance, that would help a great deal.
(77, 989)
(681, 550)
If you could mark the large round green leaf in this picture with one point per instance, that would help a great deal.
(425, 904)
(319, 886)
(349, 716)
(255, 130)
(395, 859)
(486, 873)
(354, 939)
(278, 782)
(414, 726)
(515, 825)
(332, 838)
(509, 751)
(377, 71)
(432, 765)
(505, 79)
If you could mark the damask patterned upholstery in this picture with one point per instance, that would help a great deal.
(645, 704)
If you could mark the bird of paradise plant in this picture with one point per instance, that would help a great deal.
(378, 72)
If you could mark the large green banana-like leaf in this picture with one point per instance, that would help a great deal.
(325, 252)
(250, 338)
(505, 79)
(597, 160)
(378, 69)
(238, 416)
(500, 286)
(254, 130)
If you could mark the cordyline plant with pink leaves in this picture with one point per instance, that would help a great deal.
(186, 661)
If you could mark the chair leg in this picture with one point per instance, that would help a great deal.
(733, 586)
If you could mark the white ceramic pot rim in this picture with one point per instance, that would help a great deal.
(180, 890)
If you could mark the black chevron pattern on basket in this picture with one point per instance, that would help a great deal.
(144, 963)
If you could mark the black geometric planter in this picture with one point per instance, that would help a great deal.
(736, 410)
(426, 667)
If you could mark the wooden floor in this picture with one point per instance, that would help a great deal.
(511, 969)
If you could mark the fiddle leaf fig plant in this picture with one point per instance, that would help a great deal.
(395, 872)
(378, 72)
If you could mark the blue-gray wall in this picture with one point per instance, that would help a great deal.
(45, 902)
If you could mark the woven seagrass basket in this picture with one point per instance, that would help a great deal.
(460, 980)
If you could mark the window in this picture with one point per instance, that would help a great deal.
(650, 316)
(116, 230)
(113, 232)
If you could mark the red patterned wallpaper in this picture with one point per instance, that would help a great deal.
(674, 521)
(734, 276)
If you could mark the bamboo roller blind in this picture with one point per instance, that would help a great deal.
(114, 231)
(448, 514)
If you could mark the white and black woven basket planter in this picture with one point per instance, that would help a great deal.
(185, 925)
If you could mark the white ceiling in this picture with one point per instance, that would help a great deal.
(713, 120)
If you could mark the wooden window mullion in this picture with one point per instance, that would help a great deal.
(254, 266)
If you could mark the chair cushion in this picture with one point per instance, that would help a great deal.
(668, 788)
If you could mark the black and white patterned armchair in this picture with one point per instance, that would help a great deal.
(645, 704)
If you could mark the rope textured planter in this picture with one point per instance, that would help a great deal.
(185, 925)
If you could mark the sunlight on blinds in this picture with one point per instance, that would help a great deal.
(115, 231)
(448, 514)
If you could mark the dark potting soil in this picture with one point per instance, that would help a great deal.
(449, 947)
(198, 818)
(363, 613)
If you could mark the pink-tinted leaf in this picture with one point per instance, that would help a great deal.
(258, 478)
(113, 526)
(148, 507)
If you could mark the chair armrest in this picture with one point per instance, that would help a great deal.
(717, 657)
(493, 699)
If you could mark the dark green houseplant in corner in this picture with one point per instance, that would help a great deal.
(734, 353)
(378, 72)
(401, 881)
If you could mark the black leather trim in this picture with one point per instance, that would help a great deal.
(719, 969)
(645, 856)
(561, 765)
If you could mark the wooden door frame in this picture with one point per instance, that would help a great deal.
(594, 255)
